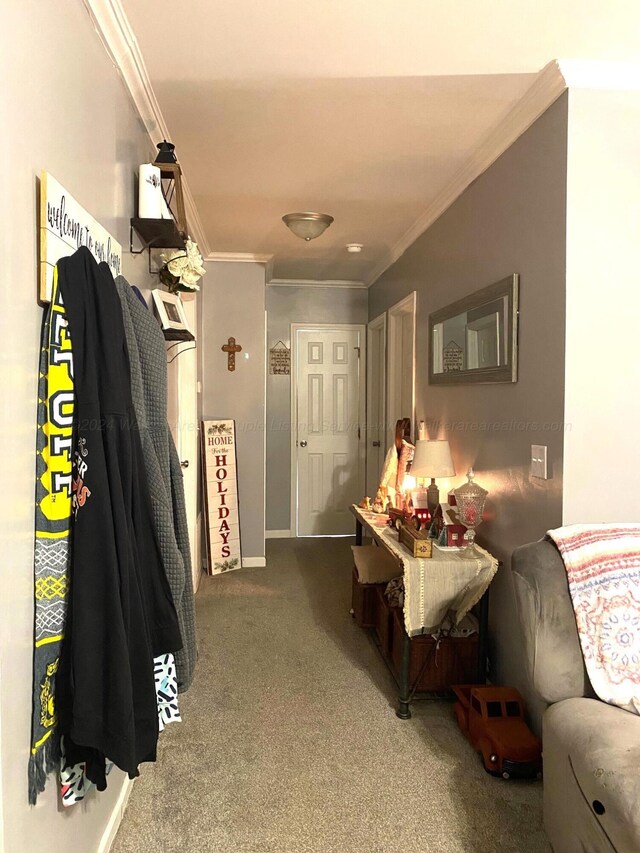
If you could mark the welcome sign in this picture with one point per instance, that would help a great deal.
(64, 227)
(220, 481)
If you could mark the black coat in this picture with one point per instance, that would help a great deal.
(120, 611)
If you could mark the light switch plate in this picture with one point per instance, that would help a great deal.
(539, 461)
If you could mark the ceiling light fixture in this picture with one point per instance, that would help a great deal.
(354, 248)
(307, 226)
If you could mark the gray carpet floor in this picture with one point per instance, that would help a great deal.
(290, 744)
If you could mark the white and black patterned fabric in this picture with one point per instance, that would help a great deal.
(164, 672)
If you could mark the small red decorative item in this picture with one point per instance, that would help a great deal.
(398, 517)
(492, 718)
(423, 515)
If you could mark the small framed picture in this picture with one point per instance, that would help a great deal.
(170, 312)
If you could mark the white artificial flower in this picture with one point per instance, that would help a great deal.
(195, 258)
(190, 279)
(187, 266)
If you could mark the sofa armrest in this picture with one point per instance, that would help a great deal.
(551, 644)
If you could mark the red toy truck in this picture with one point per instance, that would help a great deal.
(492, 718)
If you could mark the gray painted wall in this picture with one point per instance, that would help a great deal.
(287, 305)
(511, 219)
(64, 109)
(233, 304)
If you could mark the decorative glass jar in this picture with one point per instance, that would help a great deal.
(470, 500)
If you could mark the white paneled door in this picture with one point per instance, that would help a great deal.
(328, 434)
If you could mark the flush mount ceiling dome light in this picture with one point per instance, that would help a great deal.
(307, 226)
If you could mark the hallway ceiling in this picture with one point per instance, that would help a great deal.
(363, 110)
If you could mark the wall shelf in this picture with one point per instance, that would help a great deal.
(178, 335)
(155, 234)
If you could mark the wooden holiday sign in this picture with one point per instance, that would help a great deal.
(64, 227)
(220, 481)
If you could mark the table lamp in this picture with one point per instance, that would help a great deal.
(432, 459)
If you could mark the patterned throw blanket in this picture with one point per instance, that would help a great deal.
(603, 569)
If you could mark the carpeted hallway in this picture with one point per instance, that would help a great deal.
(290, 742)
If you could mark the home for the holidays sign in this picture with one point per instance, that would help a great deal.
(221, 496)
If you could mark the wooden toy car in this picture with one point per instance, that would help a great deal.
(492, 718)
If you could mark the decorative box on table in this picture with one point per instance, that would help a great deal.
(417, 542)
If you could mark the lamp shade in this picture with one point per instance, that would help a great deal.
(432, 459)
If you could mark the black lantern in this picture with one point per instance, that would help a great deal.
(171, 180)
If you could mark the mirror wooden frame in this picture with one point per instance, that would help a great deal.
(505, 288)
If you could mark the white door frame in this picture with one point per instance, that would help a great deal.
(183, 377)
(323, 327)
(379, 322)
(407, 305)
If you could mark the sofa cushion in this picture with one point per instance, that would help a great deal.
(374, 565)
(592, 749)
(551, 644)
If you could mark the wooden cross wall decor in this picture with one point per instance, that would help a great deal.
(231, 348)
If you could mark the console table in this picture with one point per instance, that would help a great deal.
(447, 582)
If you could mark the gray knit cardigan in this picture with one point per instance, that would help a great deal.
(148, 361)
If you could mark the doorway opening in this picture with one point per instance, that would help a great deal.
(401, 363)
(376, 400)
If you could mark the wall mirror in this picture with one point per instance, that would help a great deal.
(476, 338)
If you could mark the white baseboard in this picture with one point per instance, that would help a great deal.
(254, 562)
(278, 534)
(111, 829)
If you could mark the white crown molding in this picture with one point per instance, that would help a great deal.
(268, 269)
(114, 29)
(239, 257)
(309, 282)
(546, 88)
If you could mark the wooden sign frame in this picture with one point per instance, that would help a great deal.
(220, 486)
(65, 226)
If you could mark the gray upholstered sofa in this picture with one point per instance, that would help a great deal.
(591, 749)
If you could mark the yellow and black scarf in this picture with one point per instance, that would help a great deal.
(52, 527)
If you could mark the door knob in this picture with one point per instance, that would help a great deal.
(184, 463)
(303, 443)
(376, 443)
